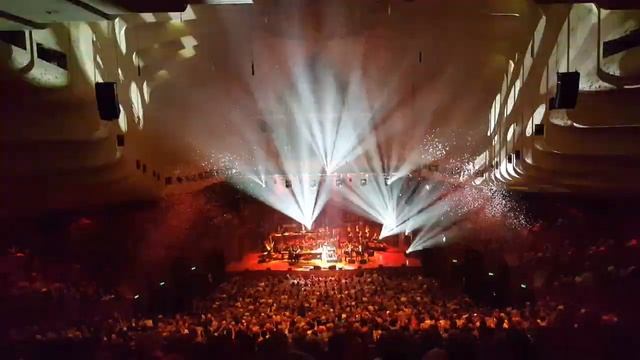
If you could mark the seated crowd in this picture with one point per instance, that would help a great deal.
(585, 289)
(386, 313)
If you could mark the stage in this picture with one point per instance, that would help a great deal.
(392, 257)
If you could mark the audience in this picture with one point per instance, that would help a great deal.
(386, 313)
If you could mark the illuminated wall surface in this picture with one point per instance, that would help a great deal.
(298, 89)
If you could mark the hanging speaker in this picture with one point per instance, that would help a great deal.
(517, 155)
(538, 130)
(120, 140)
(107, 99)
(566, 90)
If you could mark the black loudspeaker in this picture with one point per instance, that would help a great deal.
(363, 261)
(332, 267)
(566, 91)
(538, 130)
(316, 267)
(120, 140)
(352, 261)
(107, 99)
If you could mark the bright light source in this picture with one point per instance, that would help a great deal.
(444, 238)
(505, 14)
(491, 274)
(228, 2)
(524, 286)
(186, 53)
(136, 296)
(188, 41)
(193, 268)
(455, 261)
(363, 182)
(147, 17)
(162, 283)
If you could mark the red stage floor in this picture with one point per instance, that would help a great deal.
(393, 257)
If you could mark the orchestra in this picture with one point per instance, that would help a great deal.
(353, 243)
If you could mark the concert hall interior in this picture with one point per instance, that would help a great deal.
(319, 179)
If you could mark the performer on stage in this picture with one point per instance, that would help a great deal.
(296, 253)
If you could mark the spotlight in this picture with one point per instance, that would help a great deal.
(137, 296)
(162, 283)
(444, 238)
(387, 180)
(363, 182)
(524, 286)
(287, 183)
(491, 274)
(193, 268)
(455, 261)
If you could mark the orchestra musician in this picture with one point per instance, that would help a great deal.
(296, 253)
(290, 255)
